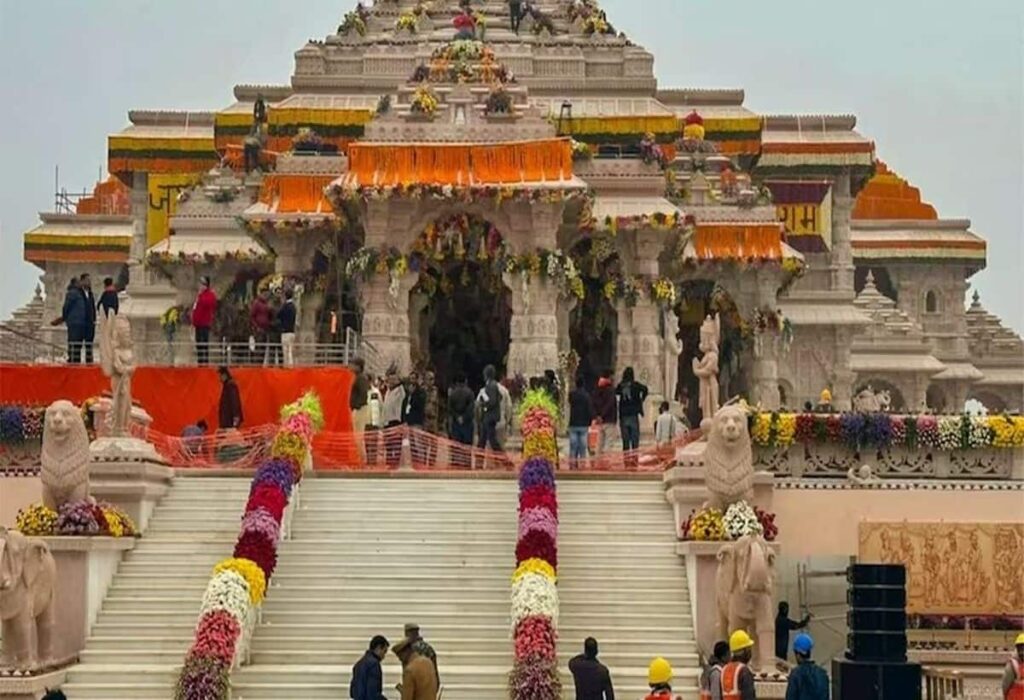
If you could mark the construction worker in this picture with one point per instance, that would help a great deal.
(659, 677)
(1013, 676)
(737, 678)
(711, 679)
(807, 681)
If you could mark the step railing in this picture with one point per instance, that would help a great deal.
(940, 684)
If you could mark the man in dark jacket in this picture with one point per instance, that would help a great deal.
(460, 419)
(783, 626)
(593, 682)
(489, 399)
(605, 410)
(367, 677)
(632, 395)
(75, 316)
(416, 418)
(286, 317)
(108, 303)
(581, 412)
(85, 285)
(807, 681)
(230, 413)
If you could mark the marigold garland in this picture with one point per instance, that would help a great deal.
(535, 566)
(36, 520)
(253, 575)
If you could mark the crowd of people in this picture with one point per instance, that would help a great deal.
(78, 314)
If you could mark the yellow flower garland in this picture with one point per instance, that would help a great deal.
(1007, 431)
(535, 566)
(252, 574)
(36, 521)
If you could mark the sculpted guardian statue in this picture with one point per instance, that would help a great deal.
(65, 455)
(729, 459)
(117, 358)
(706, 368)
(28, 580)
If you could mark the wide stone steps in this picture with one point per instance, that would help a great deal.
(137, 645)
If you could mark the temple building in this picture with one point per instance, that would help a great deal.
(453, 195)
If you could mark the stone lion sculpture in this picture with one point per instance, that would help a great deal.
(65, 455)
(729, 459)
(28, 581)
(744, 592)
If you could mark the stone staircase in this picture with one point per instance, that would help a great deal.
(146, 623)
(621, 582)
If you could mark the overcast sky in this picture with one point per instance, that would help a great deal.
(938, 86)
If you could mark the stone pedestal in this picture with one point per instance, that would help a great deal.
(30, 687)
(85, 568)
(140, 419)
(129, 474)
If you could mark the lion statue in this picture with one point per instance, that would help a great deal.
(65, 455)
(728, 459)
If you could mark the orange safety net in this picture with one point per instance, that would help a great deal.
(179, 396)
(109, 197)
(460, 164)
(291, 194)
(889, 196)
(745, 241)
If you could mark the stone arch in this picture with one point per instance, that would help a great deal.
(937, 398)
(992, 400)
(932, 302)
(787, 394)
(431, 212)
(593, 327)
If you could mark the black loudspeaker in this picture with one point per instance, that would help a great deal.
(877, 617)
(856, 680)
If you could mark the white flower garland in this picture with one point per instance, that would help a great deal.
(949, 433)
(228, 591)
(740, 520)
(533, 594)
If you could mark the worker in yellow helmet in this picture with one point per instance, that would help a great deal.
(1013, 676)
(659, 677)
(737, 678)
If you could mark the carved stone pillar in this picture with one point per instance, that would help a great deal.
(386, 318)
(639, 344)
(842, 391)
(534, 338)
(842, 244)
(767, 348)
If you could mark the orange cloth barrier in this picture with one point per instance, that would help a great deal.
(179, 396)
(296, 193)
(744, 241)
(460, 164)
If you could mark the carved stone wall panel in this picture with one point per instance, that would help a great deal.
(952, 568)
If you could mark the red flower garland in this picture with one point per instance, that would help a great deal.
(269, 497)
(538, 497)
(215, 637)
(537, 545)
(255, 547)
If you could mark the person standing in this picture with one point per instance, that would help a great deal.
(711, 679)
(631, 395)
(605, 411)
(666, 427)
(367, 675)
(783, 626)
(108, 303)
(419, 679)
(371, 438)
(737, 678)
(807, 681)
(416, 417)
(1013, 675)
(74, 316)
(203, 311)
(659, 678)
(505, 420)
(230, 411)
(590, 676)
(422, 647)
(489, 400)
(260, 318)
(286, 316)
(515, 11)
(394, 412)
(359, 403)
(85, 285)
(460, 420)
(581, 412)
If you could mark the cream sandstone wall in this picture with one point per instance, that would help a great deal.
(16, 492)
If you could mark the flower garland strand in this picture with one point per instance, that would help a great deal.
(239, 583)
(534, 674)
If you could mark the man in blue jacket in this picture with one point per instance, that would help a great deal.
(807, 681)
(367, 676)
(75, 316)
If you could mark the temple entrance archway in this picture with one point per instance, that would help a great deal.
(594, 321)
(460, 308)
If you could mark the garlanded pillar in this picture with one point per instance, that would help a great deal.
(533, 347)
(385, 302)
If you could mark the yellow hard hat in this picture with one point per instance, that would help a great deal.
(1020, 640)
(739, 641)
(659, 672)
(826, 396)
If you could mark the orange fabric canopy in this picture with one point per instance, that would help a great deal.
(296, 194)
(725, 241)
(460, 164)
(180, 396)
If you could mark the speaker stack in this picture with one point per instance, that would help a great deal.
(875, 666)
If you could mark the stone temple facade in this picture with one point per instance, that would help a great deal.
(456, 194)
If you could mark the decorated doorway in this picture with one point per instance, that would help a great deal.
(461, 306)
(593, 322)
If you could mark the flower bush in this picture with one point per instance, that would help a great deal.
(36, 520)
(20, 424)
(535, 582)
(79, 518)
(706, 526)
(239, 584)
(118, 522)
(768, 527)
(859, 431)
(740, 520)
